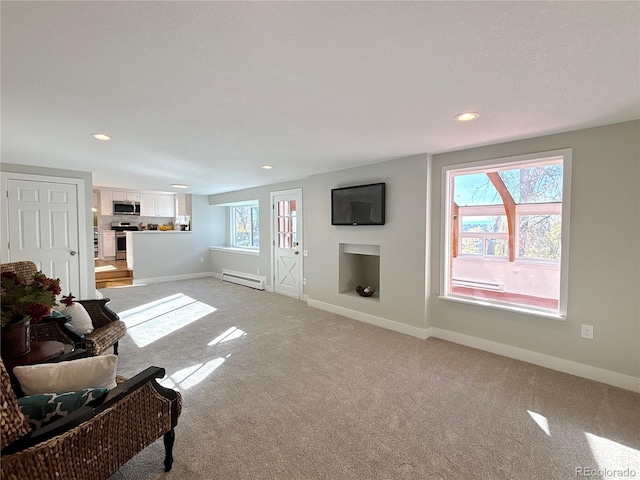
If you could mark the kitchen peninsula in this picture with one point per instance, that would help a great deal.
(156, 256)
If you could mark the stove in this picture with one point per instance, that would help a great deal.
(121, 229)
(124, 226)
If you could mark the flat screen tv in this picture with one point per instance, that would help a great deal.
(358, 205)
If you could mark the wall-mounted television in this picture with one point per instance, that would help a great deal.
(358, 205)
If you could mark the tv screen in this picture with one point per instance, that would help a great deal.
(359, 205)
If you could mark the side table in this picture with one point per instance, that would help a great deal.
(41, 352)
(48, 351)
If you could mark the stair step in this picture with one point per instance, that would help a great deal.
(109, 274)
(114, 282)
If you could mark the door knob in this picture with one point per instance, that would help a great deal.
(73, 252)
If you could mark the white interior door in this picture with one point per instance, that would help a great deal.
(287, 242)
(43, 228)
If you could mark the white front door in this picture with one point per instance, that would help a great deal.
(43, 228)
(287, 242)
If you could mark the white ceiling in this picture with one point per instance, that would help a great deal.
(203, 93)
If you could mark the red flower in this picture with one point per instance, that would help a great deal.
(11, 276)
(37, 311)
(50, 284)
(54, 287)
(68, 300)
(21, 299)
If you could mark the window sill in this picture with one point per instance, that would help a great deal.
(242, 251)
(517, 261)
(511, 308)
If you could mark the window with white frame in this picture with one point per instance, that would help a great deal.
(245, 228)
(506, 232)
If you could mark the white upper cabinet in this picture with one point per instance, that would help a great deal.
(126, 196)
(147, 205)
(118, 196)
(166, 206)
(157, 205)
(184, 204)
(106, 202)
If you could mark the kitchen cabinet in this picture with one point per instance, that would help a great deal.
(166, 206)
(118, 196)
(106, 202)
(157, 205)
(125, 196)
(184, 204)
(108, 244)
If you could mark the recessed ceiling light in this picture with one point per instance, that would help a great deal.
(266, 167)
(100, 136)
(179, 185)
(466, 116)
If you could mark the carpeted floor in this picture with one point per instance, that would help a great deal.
(274, 389)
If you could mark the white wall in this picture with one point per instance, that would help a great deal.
(401, 240)
(604, 270)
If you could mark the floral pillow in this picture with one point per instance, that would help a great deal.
(45, 408)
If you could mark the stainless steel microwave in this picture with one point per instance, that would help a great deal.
(126, 208)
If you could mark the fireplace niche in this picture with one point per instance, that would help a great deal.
(359, 264)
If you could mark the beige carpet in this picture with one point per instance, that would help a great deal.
(274, 389)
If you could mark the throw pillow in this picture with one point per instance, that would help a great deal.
(45, 408)
(80, 319)
(68, 376)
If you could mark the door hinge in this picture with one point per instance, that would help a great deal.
(273, 242)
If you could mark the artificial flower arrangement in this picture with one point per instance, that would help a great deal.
(22, 300)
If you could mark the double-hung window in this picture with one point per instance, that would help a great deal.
(506, 233)
(245, 231)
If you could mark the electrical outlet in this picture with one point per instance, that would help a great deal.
(201, 259)
(304, 281)
(258, 271)
(587, 331)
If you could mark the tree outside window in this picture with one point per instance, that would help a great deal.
(245, 227)
(506, 226)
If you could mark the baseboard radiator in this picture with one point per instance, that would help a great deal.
(494, 287)
(247, 279)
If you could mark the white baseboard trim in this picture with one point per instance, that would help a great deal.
(371, 319)
(171, 278)
(217, 275)
(566, 366)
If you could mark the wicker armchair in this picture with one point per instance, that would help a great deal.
(94, 441)
(108, 328)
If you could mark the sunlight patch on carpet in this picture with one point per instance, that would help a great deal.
(230, 334)
(189, 377)
(155, 320)
(541, 421)
(613, 457)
